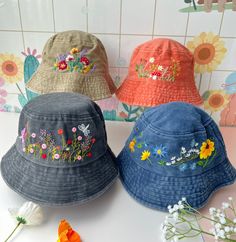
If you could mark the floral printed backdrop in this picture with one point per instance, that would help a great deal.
(205, 28)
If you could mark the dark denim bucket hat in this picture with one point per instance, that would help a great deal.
(61, 154)
(175, 150)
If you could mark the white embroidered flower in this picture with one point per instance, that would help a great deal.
(29, 213)
(70, 58)
(173, 158)
(154, 77)
(187, 155)
(151, 60)
(183, 150)
(44, 146)
(56, 156)
(225, 205)
(230, 198)
(173, 162)
(160, 68)
(168, 163)
(196, 144)
(179, 159)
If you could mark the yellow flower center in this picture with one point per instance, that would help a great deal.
(159, 152)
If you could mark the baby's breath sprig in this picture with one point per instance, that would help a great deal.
(182, 222)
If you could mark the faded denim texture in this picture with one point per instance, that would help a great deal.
(61, 154)
(175, 150)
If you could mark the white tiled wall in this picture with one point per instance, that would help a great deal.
(120, 24)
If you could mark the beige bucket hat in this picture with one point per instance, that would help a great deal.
(73, 61)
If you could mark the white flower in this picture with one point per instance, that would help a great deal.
(176, 239)
(169, 207)
(212, 211)
(173, 158)
(225, 205)
(152, 59)
(70, 58)
(30, 214)
(227, 229)
(179, 159)
(230, 198)
(187, 155)
(221, 234)
(44, 146)
(168, 163)
(234, 220)
(173, 229)
(196, 144)
(180, 202)
(184, 199)
(154, 77)
(222, 220)
(175, 216)
(176, 207)
(183, 150)
(160, 68)
(234, 230)
(217, 226)
(173, 162)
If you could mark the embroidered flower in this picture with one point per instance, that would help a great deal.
(160, 68)
(70, 58)
(69, 141)
(206, 149)
(151, 60)
(74, 129)
(74, 61)
(62, 65)
(44, 146)
(160, 151)
(80, 138)
(44, 156)
(60, 131)
(132, 145)
(33, 135)
(93, 140)
(79, 157)
(74, 51)
(56, 156)
(183, 167)
(31, 150)
(89, 154)
(145, 155)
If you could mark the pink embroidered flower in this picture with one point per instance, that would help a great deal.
(33, 135)
(23, 135)
(70, 58)
(93, 140)
(84, 60)
(56, 156)
(74, 129)
(44, 146)
(89, 154)
(62, 65)
(31, 150)
(80, 138)
(44, 156)
(79, 157)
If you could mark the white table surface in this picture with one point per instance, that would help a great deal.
(114, 217)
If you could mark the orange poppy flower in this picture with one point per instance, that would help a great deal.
(66, 233)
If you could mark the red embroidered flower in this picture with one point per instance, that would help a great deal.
(89, 154)
(84, 60)
(60, 131)
(156, 73)
(93, 140)
(62, 65)
(44, 156)
(69, 141)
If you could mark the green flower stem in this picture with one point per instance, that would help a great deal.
(17, 226)
(21, 91)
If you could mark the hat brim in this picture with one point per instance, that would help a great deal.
(158, 191)
(149, 93)
(95, 86)
(58, 186)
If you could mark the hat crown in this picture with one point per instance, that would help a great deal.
(176, 139)
(61, 129)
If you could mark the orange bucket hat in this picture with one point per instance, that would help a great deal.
(160, 71)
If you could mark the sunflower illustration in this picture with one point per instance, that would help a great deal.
(206, 149)
(208, 50)
(216, 100)
(11, 68)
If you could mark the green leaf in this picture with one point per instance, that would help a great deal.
(125, 107)
(22, 100)
(21, 220)
(187, 1)
(161, 162)
(132, 119)
(135, 110)
(200, 163)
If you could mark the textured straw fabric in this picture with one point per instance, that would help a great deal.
(175, 150)
(74, 61)
(61, 154)
(160, 71)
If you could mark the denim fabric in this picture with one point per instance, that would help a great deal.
(175, 150)
(61, 154)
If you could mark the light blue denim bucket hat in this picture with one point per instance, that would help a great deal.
(175, 150)
(61, 155)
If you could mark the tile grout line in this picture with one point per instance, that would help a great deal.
(120, 36)
(186, 30)
(53, 17)
(21, 25)
(86, 2)
(154, 18)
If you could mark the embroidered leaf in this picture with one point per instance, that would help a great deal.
(125, 107)
(200, 163)
(131, 119)
(134, 110)
(161, 162)
(193, 143)
(139, 145)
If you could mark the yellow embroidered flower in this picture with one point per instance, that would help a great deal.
(216, 100)
(132, 145)
(74, 50)
(11, 68)
(206, 149)
(208, 51)
(145, 155)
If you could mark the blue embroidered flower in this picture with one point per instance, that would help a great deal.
(183, 167)
(160, 151)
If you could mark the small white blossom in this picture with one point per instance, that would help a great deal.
(234, 220)
(230, 198)
(227, 229)
(175, 216)
(168, 163)
(173, 158)
(222, 220)
(183, 150)
(152, 59)
(225, 205)
(212, 210)
(187, 155)
(179, 159)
